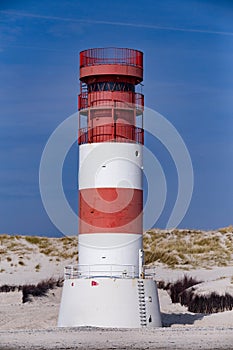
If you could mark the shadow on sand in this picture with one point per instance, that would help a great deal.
(172, 319)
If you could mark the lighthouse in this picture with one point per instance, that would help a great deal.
(108, 287)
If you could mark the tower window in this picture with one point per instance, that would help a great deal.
(111, 86)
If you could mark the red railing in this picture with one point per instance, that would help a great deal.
(111, 55)
(139, 100)
(103, 102)
(83, 100)
(111, 132)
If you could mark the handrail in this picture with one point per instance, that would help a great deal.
(149, 271)
(111, 55)
(114, 132)
(100, 270)
(107, 270)
(88, 100)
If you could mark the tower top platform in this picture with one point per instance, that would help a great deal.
(111, 61)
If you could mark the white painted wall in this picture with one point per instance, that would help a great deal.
(111, 303)
(110, 164)
(109, 249)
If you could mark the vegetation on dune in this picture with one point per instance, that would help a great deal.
(33, 290)
(209, 304)
(5, 288)
(62, 248)
(228, 229)
(32, 239)
(189, 248)
(175, 289)
(37, 267)
(176, 248)
(39, 290)
(13, 244)
(182, 292)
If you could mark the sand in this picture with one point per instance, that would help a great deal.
(92, 338)
(33, 326)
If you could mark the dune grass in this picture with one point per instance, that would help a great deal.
(209, 304)
(188, 248)
(62, 248)
(33, 239)
(176, 248)
(39, 290)
(175, 289)
(182, 292)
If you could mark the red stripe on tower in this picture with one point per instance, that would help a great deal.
(110, 210)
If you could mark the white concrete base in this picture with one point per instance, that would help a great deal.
(108, 302)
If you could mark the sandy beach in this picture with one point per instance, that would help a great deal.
(76, 338)
(33, 326)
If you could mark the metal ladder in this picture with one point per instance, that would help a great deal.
(142, 303)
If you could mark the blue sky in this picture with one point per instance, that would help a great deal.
(188, 48)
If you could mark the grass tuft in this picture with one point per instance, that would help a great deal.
(5, 288)
(32, 239)
(175, 289)
(40, 289)
(37, 267)
(212, 303)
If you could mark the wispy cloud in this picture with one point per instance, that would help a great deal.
(29, 47)
(113, 23)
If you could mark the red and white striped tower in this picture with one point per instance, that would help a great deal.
(110, 171)
(109, 278)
